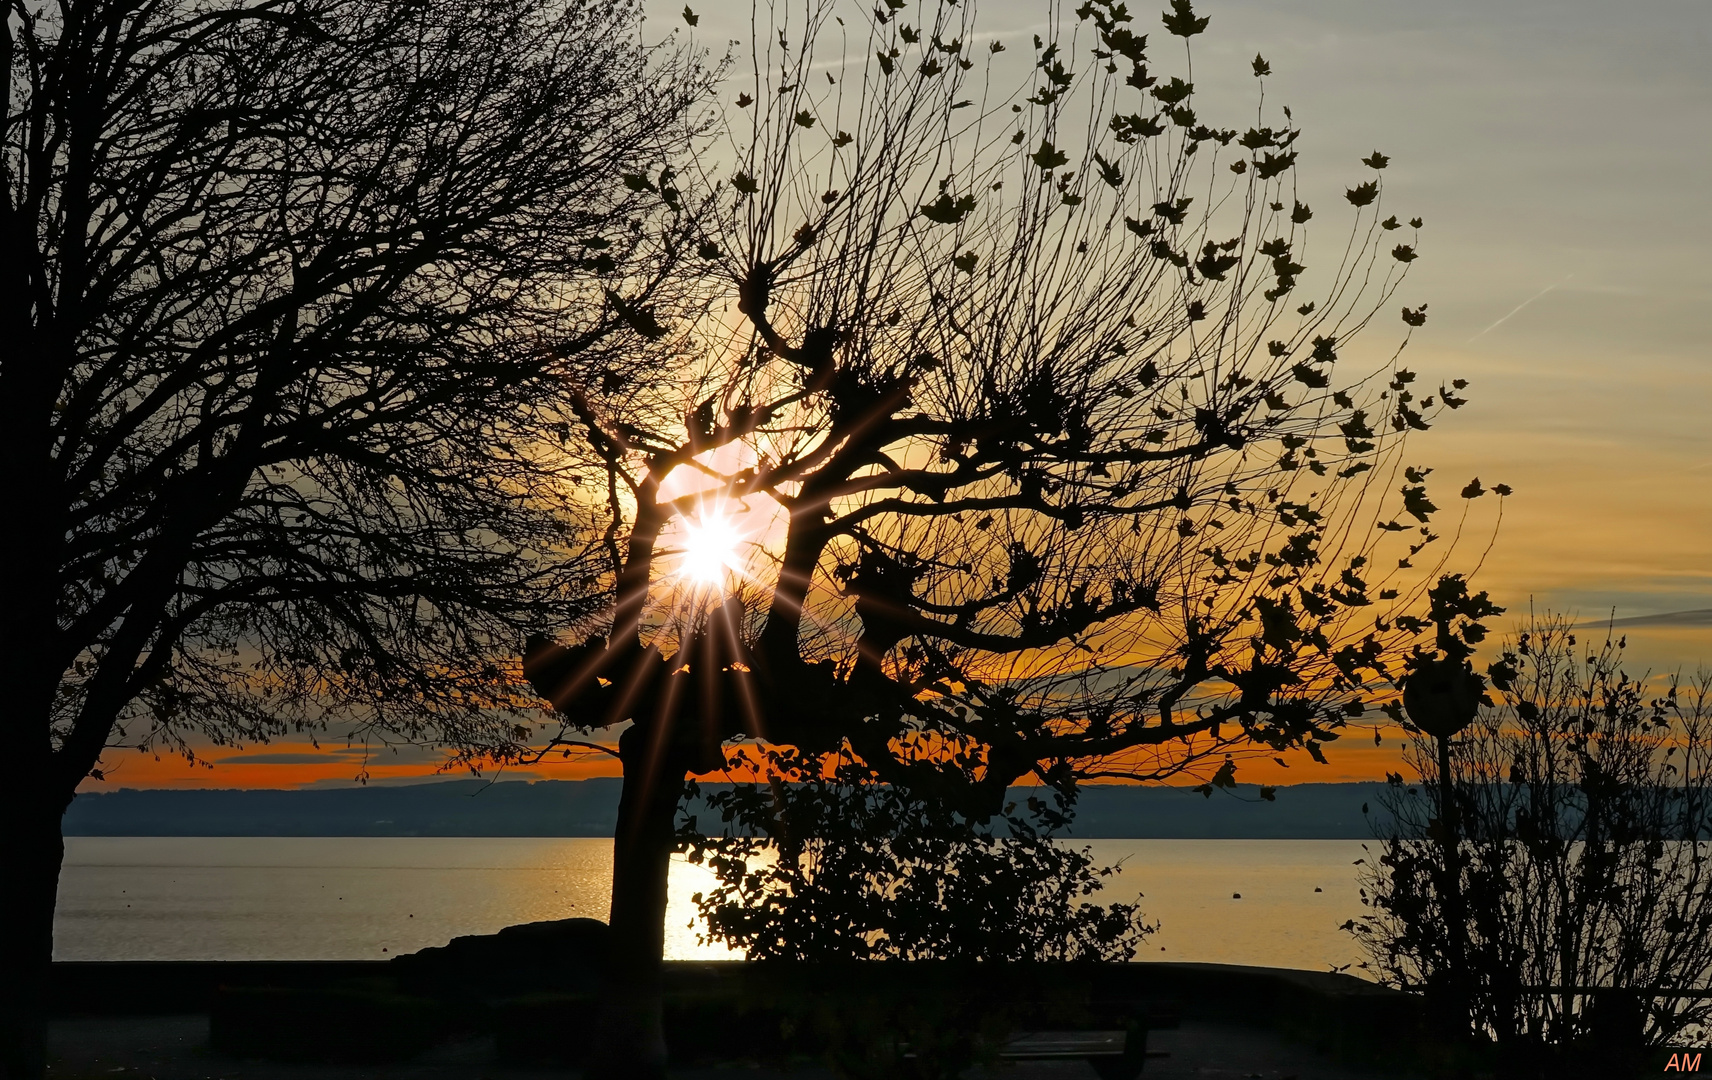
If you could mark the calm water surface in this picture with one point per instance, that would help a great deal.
(352, 898)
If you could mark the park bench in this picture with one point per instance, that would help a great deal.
(1114, 1054)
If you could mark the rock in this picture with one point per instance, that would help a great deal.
(557, 956)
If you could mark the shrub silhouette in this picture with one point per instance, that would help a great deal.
(828, 863)
(1585, 880)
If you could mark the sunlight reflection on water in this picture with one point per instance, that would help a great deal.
(279, 898)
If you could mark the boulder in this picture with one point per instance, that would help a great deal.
(561, 956)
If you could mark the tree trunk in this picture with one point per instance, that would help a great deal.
(33, 851)
(633, 1044)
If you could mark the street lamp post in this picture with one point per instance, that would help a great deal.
(1441, 697)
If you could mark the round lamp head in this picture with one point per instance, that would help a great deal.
(1442, 696)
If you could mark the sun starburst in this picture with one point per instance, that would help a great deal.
(710, 552)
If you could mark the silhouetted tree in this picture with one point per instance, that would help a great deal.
(1581, 885)
(1031, 440)
(289, 287)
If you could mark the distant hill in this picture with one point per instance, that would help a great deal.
(590, 808)
(1301, 812)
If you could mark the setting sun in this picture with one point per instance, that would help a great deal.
(710, 549)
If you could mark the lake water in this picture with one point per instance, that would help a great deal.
(368, 898)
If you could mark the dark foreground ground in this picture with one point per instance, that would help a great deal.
(176, 1048)
(477, 1008)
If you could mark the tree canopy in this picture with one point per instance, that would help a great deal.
(1030, 435)
(289, 290)
(292, 285)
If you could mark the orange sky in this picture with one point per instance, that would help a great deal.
(290, 764)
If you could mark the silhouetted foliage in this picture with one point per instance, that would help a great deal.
(1038, 446)
(833, 864)
(824, 864)
(289, 291)
(1585, 877)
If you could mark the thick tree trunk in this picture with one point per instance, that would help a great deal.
(633, 1044)
(29, 869)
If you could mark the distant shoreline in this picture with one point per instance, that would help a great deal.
(589, 808)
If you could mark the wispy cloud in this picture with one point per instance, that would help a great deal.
(1518, 307)
(1701, 617)
(278, 759)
